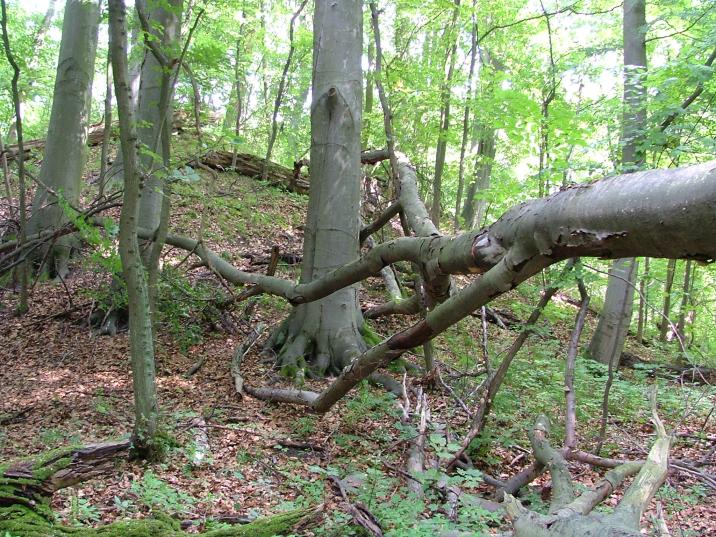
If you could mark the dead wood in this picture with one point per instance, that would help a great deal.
(360, 513)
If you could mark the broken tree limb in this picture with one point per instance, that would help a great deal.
(382, 219)
(586, 220)
(238, 358)
(575, 517)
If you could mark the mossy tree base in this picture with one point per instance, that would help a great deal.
(26, 487)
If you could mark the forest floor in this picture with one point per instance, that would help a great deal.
(63, 383)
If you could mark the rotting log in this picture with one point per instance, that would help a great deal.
(27, 485)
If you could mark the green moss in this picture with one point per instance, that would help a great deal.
(369, 335)
(20, 521)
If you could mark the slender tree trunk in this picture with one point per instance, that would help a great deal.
(154, 119)
(685, 299)
(450, 56)
(66, 145)
(632, 157)
(6, 177)
(607, 342)
(665, 321)
(146, 408)
(466, 121)
(326, 333)
(107, 135)
(238, 79)
(474, 210)
(369, 83)
(17, 102)
(643, 301)
(280, 91)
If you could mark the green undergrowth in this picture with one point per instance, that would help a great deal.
(20, 521)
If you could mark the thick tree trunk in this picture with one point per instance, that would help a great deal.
(633, 135)
(66, 145)
(326, 333)
(146, 407)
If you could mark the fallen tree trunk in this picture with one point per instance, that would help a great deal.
(26, 487)
(597, 220)
(683, 372)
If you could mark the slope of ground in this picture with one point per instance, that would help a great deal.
(63, 383)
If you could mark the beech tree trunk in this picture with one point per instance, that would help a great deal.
(609, 338)
(66, 145)
(326, 334)
(154, 120)
(146, 407)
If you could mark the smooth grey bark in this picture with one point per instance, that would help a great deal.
(633, 134)
(326, 334)
(146, 407)
(685, 298)
(474, 210)
(614, 319)
(66, 145)
(104, 155)
(643, 311)
(154, 119)
(590, 220)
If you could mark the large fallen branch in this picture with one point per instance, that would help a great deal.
(649, 213)
(572, 515)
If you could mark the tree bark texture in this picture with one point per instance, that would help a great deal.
(66, 145)
(590, 220)
(326, 333)
(146, 407)
(609, 338)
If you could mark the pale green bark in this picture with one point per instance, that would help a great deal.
(140, 323)
(66, 145)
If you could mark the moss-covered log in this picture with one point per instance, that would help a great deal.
(26, 487)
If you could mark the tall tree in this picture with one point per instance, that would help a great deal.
(326, 333)
(66, 144)
(608, 339)
(154, 119)
(452, 32)
(146, 408)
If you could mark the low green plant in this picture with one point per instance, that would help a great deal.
(157, 495)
